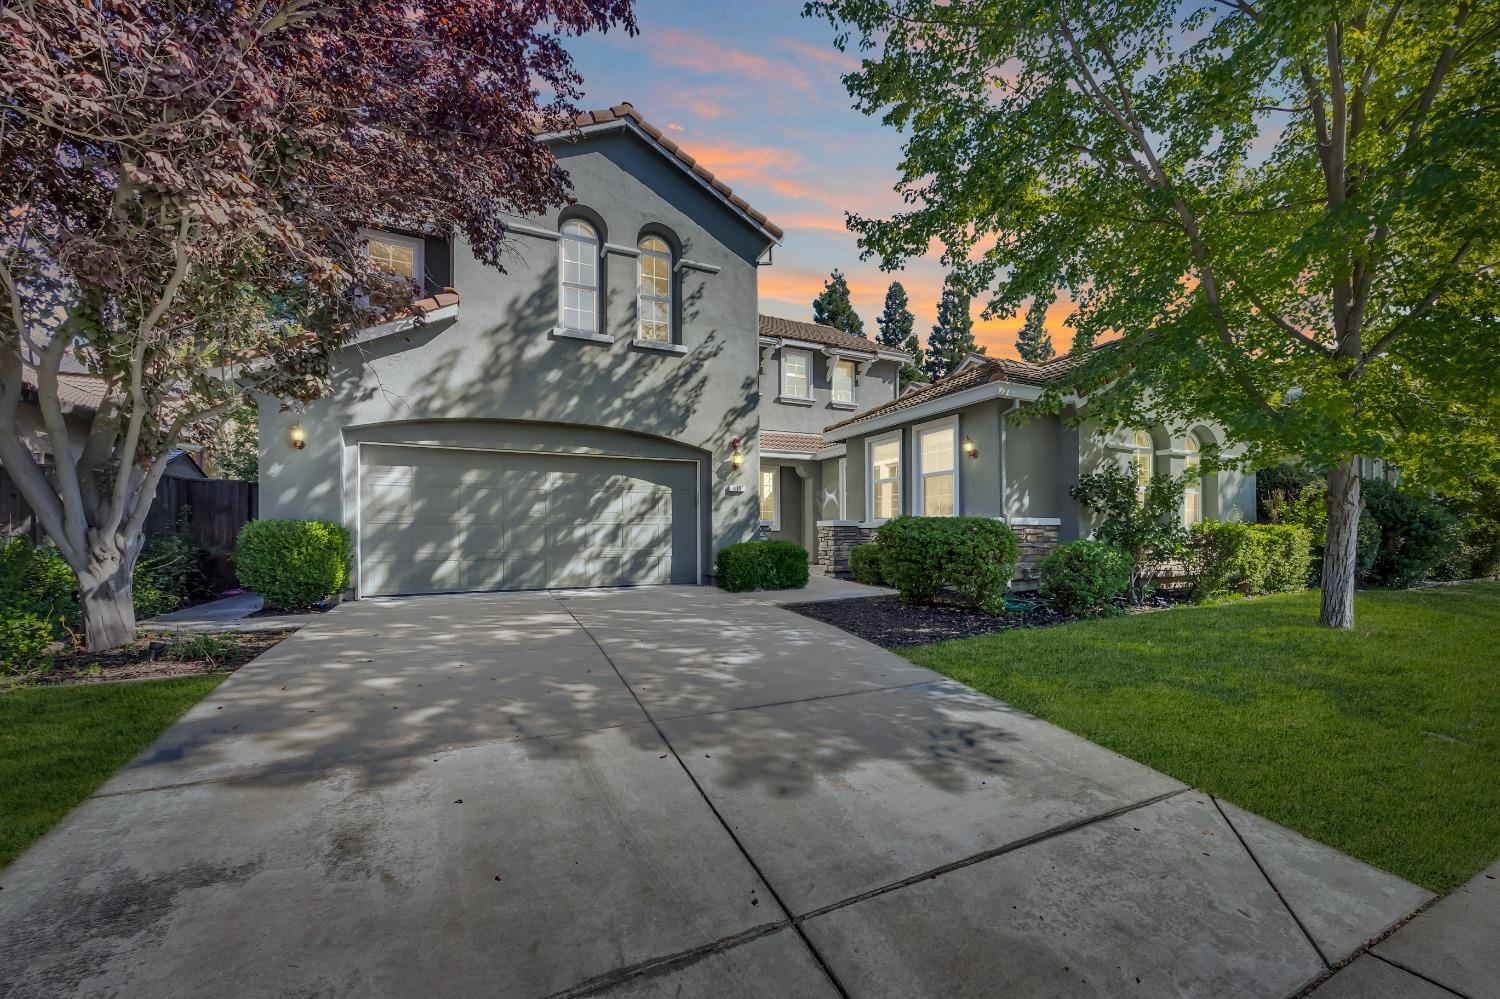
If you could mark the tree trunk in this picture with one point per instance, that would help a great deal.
(108, 611)
(1339, 552)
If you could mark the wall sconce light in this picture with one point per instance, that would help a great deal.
(970, 448)
(299, 436)
(736, 456)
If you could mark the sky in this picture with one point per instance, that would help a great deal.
(752, 91)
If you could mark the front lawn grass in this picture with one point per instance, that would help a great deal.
(1383, 742)
(58, 744)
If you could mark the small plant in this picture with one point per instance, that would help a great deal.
(1148, 531)
(1083, 577)
(34, 579)
(204, 647)
(864, 565)
(293, 564)
(762, 565)
(975, 556)
(24, 639)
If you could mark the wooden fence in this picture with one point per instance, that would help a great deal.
(208, 511)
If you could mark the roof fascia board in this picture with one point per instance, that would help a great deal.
(933, 407)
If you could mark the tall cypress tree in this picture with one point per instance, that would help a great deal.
(897, 331)
(1034, 343)
(952, 338)
(833, 308)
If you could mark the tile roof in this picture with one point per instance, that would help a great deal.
(809, 444)
(79, 392)
(791, 329)
(627, 112)
(991, 369)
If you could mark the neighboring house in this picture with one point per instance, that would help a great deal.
(611, 409)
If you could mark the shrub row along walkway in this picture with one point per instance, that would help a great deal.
(654, 792)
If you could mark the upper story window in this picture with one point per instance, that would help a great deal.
(796, 373)
(937, 469)
(1192, 496)
(843, 381)
(400, 256)
(885, 476)
(655, 290)
(580, 277)
(1141, 461)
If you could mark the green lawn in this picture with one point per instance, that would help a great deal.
(1384, 743)
(58, 744)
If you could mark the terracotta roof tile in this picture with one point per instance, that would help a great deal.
(625, 111)
(791, 329)
(809, 444)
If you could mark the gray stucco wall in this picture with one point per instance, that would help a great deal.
(876, 385)
(503, 377)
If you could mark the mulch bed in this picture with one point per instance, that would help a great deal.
(134, 662)
(892, 623)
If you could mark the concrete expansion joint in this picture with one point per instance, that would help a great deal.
(1417, 974)
(667, 963)
(1269, 881)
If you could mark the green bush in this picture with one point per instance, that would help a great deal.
(37, 581)
(864, 565)
(975, 556)
(1478, 515)
(1278, 483)
(762, 565)
(1307, 509)
(1283, 552)
(1416, 535)
(1082, 577)
(168, 574)
(24, 638)
(1230, 557)
(293, 563)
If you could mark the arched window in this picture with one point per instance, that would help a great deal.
(655, 290)
(1192, 496)
(1142, 458)
(580, 277)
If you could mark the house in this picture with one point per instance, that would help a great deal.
(611, 408)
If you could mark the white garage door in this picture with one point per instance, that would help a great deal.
(438, 520)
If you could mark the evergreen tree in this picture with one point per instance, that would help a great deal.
(897, 331)
(952, 338)
(833, 308)
(1034, 343)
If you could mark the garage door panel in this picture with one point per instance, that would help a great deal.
(442, 520)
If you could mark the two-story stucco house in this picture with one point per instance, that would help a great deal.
(612, 409)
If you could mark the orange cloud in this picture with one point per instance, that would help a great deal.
(830, 221)
(998, 336)
(768, 167)
(699, 53)
(828, 56)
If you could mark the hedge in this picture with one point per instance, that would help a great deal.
(864, 565)
(293, 564)
(1082, 577)
(1230, 557)
(975, 556)
(762, 565)
(1416, 534)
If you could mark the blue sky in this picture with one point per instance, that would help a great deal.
(752, 91)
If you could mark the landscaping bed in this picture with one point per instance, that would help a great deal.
(172, 656)
(893, 623)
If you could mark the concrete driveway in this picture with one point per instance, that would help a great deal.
(655, 792)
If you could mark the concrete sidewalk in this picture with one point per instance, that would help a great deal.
(654, 792)
(232, 613)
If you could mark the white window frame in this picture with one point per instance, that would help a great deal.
(919, 474)
(786, 354)
(840, 363)
(774, 524)
(871, 443)
(416, 244)
(563, 284)
(1142, 453)
(1192, 448)
(640, 289)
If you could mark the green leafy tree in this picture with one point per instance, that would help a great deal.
(1287, 208)
(897, 331)
(235, 447)
(833, 308)
(1034, 343)
(952, 337)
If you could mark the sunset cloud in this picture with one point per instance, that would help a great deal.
(699, 53)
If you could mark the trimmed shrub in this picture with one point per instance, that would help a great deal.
(762, 565)
(1082, 577)
(975, 556)
(293, 563)
(24, 638)
(1213, 557)
(1230, 557)
(37, 581)
(864, 565)
(1284, 552)
(1416, 535)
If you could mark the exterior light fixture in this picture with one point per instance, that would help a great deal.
(736, 456)
(970, 448)
(299, 436)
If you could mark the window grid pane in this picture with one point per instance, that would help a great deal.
(937, 495)
(580, 276)
(393, 258)
(937, 450)
(654, 290)
(885, 479)
(843, 381)
(794, 367)
(768, 495)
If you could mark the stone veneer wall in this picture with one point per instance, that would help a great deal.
(836, 537)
